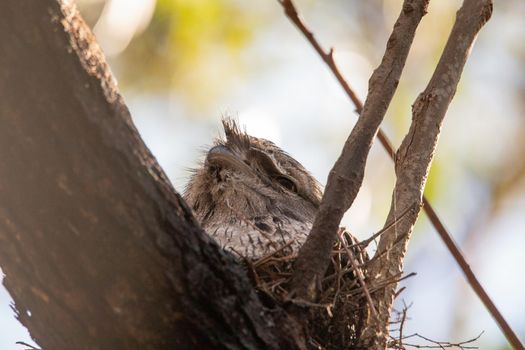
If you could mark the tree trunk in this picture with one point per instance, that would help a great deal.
(98, 250)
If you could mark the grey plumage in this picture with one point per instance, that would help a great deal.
(251, 196)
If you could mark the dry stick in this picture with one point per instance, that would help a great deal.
(291, 12)
(440, 344)
(472, 279)
(394, 280)
(360, 276)
(415, 156)
(31, 347)
(293, 15)
(346, 176)
(366, 242)
(401, 326)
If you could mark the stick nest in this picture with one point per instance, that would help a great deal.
(336, 319)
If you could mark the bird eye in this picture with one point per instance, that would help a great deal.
(286, 182)
(265, 162)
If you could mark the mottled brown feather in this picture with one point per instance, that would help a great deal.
(251, 196)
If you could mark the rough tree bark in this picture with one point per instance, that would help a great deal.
(98, 250)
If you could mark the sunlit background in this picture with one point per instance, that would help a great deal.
(182, 64)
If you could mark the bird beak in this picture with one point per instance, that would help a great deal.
(221, 156)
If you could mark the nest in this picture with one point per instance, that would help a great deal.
(336, 320)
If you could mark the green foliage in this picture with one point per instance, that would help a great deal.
(191, 46)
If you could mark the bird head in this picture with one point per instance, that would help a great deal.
(246, 177)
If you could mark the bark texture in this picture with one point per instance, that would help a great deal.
(98, 250)
(346, 176)
(413, 161)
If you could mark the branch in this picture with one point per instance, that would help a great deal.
(413, 161)
(473, 281)
(454, 250)
(328, 57)
(346, 176)
(466, 344)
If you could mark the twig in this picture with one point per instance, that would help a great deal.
(441, 344)
(31, 347)
(360, 276)
(271, 255)
(401, 290)
(302, 302)
(384, 283)
(400, 344)
(328, 57)
(472, 279)
(379, 254)
(366, 242)
(346, 176)
(401, 325)
(292, 14)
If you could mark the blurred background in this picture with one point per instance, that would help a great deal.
(182, 64)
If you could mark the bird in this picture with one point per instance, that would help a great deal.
(251, 196)
(259, 203)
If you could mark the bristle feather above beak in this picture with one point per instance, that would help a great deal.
(235, 137)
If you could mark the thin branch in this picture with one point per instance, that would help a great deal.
(30, 347)
(366, 242)
(346, 176)
(441, 344)
(328, 57)
(402, 325)
(394, 280)
(472, 279)
(293, 15)
(360, 276)
(399, 343)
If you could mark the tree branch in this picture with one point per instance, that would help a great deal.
(346, 176)
(473, 281)
(413, 161)
(440, 228)
(98, 250)
(328, 57)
